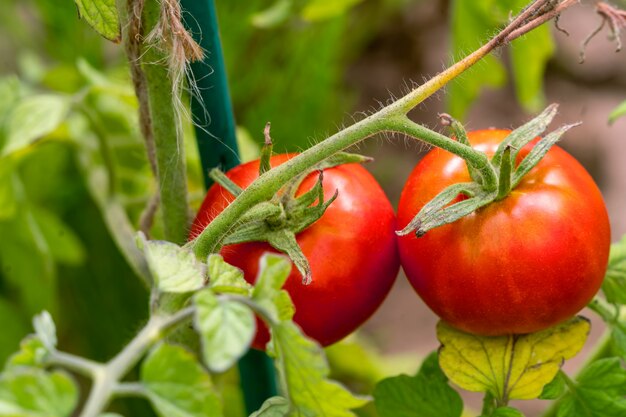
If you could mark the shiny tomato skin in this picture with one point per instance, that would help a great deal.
(352, 250)
(519, 265)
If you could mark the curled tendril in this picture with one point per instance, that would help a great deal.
(613, 17)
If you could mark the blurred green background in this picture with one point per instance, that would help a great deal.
(74, 178)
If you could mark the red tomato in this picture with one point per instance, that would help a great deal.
(351, 248)
(519, 265)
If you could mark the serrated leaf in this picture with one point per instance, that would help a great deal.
(33, 118)
(225, 278)
(32, 353)
(614, 284)
(45, 330)
(65, 246)
(317, 10)
(509, 367)
(33, 392)
(267, 293)
(426, 394)
(226, 329)
(619, 111)
(303, 375)
(102, 16)
(273, 407)
(554, 389)
(600, 391)
(173, 268)
(177, 385)
(529, 57)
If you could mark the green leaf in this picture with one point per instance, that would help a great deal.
(274, 15)
(14, 327)
(225, 278)
(614, 285)
(33, 118)
(102, 16)
(177, 385)
(173, 268)
(600, 392)
(65, 246)
(529, 57)
(619, 111)
(506, 412)
(45, 330)
(554, 389)
(509, 367)
(10, 92)
(317, 10)
(426, 394)
(35, 393)
(471, 25)
(303, 371)
(273, 272)
(8, 202)
(32, 353)
(226, 329)
(273, 407)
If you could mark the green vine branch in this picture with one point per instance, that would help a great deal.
(389, 119)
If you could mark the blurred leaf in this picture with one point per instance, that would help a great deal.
(10, 92)
(354, 362)
(303, 373)
(64, 245)
(33, 118)
(13, 328)
(32, 353)
(529, 57)
(8, 203)
(509, 367)
(554, 389)
(273, 407)
(173, 268)
(226, 329)
(225, 278)
(33, 392)
(273, 16)
(426, 394)
(472, 23)
(273, 272)
(470, 27)
(177, 385)
(316, 10)
(600, 391)
(249, 150)
(619, 111)
(506, 412)
(614, 284)
(102, 16)
(45, 329)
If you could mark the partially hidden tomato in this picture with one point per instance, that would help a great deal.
(519, 265)
(351, 249)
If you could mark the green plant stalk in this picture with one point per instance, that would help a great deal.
(389, 119)
(170, 161)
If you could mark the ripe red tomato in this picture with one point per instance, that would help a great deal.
(351, 248)
(519, 265)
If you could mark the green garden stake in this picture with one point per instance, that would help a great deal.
(215, 133)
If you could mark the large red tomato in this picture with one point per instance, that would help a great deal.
(519, 265)
(351, 248)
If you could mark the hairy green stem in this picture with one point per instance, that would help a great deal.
(389, 118)
(167, 134)
(74, 363)
(106, 378)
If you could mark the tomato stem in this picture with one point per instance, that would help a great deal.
(506, 166)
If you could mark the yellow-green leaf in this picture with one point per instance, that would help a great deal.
(509, 367)
(102, 16)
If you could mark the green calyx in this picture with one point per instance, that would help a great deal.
(278, 220)
(482, 191)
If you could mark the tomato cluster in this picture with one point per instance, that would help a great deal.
(518, 265)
